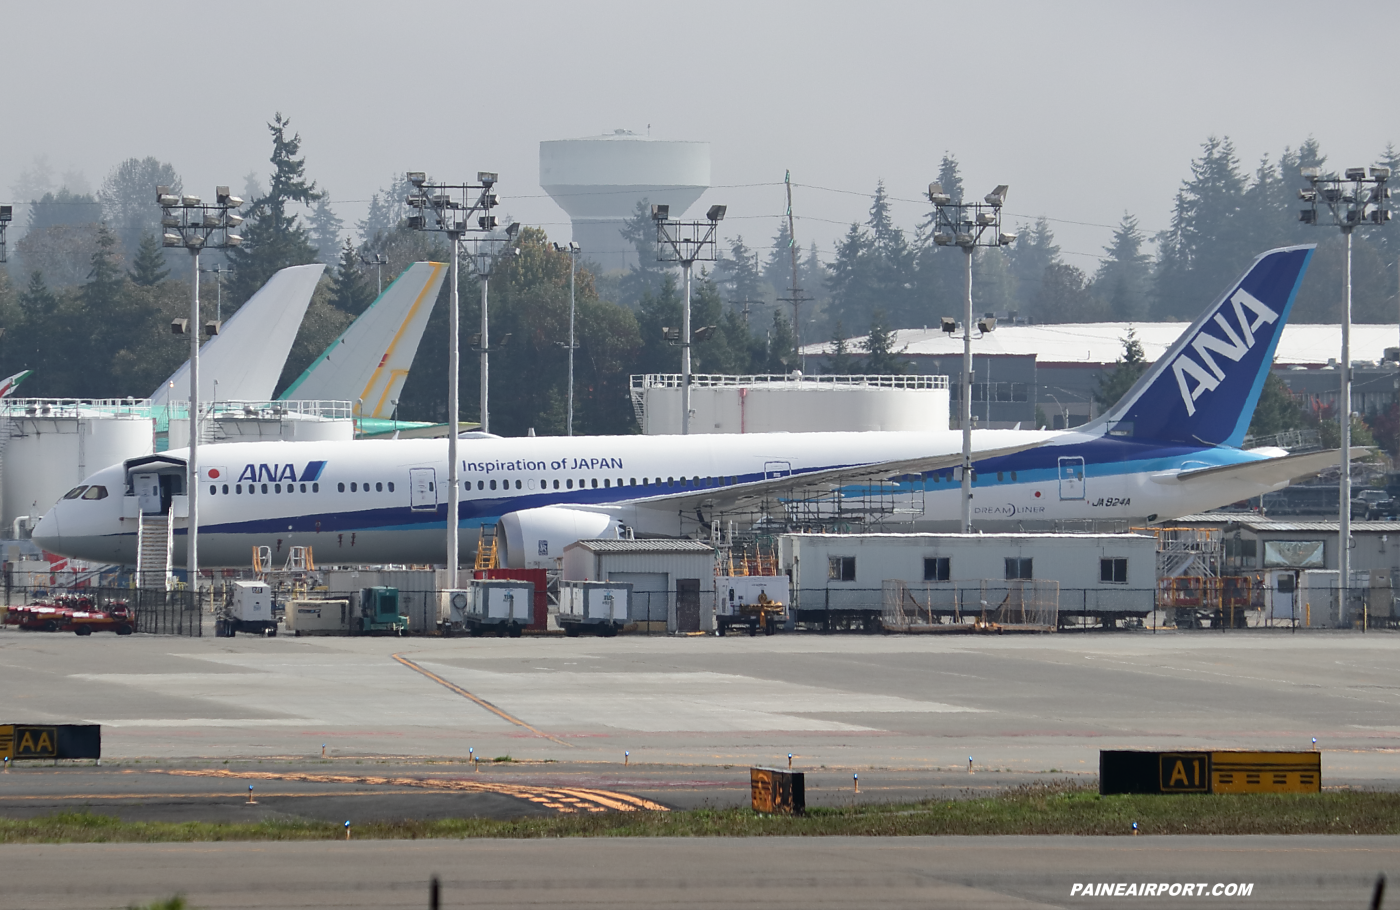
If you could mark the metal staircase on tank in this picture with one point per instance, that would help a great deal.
(485, 550)
(154, 537)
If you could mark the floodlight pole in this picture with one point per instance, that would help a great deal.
(573, 271)
(686, 242)
(188, 223)
(378, 260)
(966, 224)
(446, 208)
(7, 213)
(1353, 201)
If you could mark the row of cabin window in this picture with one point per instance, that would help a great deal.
(216, 489)
(1112, 570)
(568, 484)
(948, 477)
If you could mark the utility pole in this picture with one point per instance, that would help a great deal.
(1354, 200)
(965, 224)
(485, 262)
(795, 296)
(218, 271)
(573, 250)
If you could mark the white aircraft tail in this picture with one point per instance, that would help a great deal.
(370, 361)
(247, 356)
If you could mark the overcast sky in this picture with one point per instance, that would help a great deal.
(1087, 110)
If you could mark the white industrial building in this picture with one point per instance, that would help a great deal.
(598, 181)
(791, 403)
(935, 578)
(673, 581)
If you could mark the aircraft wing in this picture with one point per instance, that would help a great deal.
(743, 494)
(1275, 470)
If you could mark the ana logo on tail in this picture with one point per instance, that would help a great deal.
(1209, 377)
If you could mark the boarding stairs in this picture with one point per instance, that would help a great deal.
(485, 550)
(154, 538)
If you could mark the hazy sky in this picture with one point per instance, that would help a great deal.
(1085, 109)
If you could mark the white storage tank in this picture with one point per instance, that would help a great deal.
(599, 180)
(791, 403)
(51, 446)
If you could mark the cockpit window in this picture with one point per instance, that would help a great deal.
(95, 492)
(74, 493)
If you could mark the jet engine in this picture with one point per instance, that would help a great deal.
(535, 538)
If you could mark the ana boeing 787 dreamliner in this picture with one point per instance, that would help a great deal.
(1168, 448)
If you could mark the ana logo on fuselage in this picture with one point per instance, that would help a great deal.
(275, 473)
(1209, 377)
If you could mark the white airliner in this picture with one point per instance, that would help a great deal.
(1167, 449)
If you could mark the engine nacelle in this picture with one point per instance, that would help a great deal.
(536, 538)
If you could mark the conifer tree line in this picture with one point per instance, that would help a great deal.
(87, 298)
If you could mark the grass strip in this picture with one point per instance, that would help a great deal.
(1033, 809)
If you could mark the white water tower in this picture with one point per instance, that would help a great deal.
(599, 180)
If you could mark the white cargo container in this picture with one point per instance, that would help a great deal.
(318, 617)
(603, 607)
(502, 605)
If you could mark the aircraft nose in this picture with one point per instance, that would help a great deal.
(46, 533)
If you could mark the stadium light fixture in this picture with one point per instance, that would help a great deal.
(686, 243)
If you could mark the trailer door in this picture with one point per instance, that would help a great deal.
(422, 486)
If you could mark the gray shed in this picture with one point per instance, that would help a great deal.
(673, 581)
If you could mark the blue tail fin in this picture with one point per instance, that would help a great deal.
(1204, 389)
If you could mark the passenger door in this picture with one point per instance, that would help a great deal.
(422, 489)
(147, 487)
(775, 469)
(1072, 477)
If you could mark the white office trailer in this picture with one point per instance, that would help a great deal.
(673, 581)
(601, 607)
(791, 403)
(914, 581)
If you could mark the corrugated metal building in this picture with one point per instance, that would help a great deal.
(673, 581)
(417, 591)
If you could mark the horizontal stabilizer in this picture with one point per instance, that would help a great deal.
(1275, 470)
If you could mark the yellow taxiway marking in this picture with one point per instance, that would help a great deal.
(580, 797)
(243, 794)
(480, 701)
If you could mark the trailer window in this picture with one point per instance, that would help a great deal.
(936, 568)
(74, 493)
(841, 568)
(1018, 567)
(1113, 570)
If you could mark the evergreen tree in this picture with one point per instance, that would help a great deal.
(1278, 410)
(839, 361)
(1030, 256)
(350, 290)
(879, 345)
(1064, 296)
(739, 276)
(273, 238)
(777, 268)
(36, 300)
(325, 230)
(1208, 244)
(645, 279)
(1123, 277)
(1115, 383)
(782, 356)
(149, 268)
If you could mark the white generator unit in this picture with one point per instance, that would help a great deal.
(318, 617)
(504, 606)
(602, 607)
(751, 601)
(248, 609)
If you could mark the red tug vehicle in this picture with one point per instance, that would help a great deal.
(74, 613)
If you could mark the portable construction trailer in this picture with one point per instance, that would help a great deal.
(908, 581)
(602, 607)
